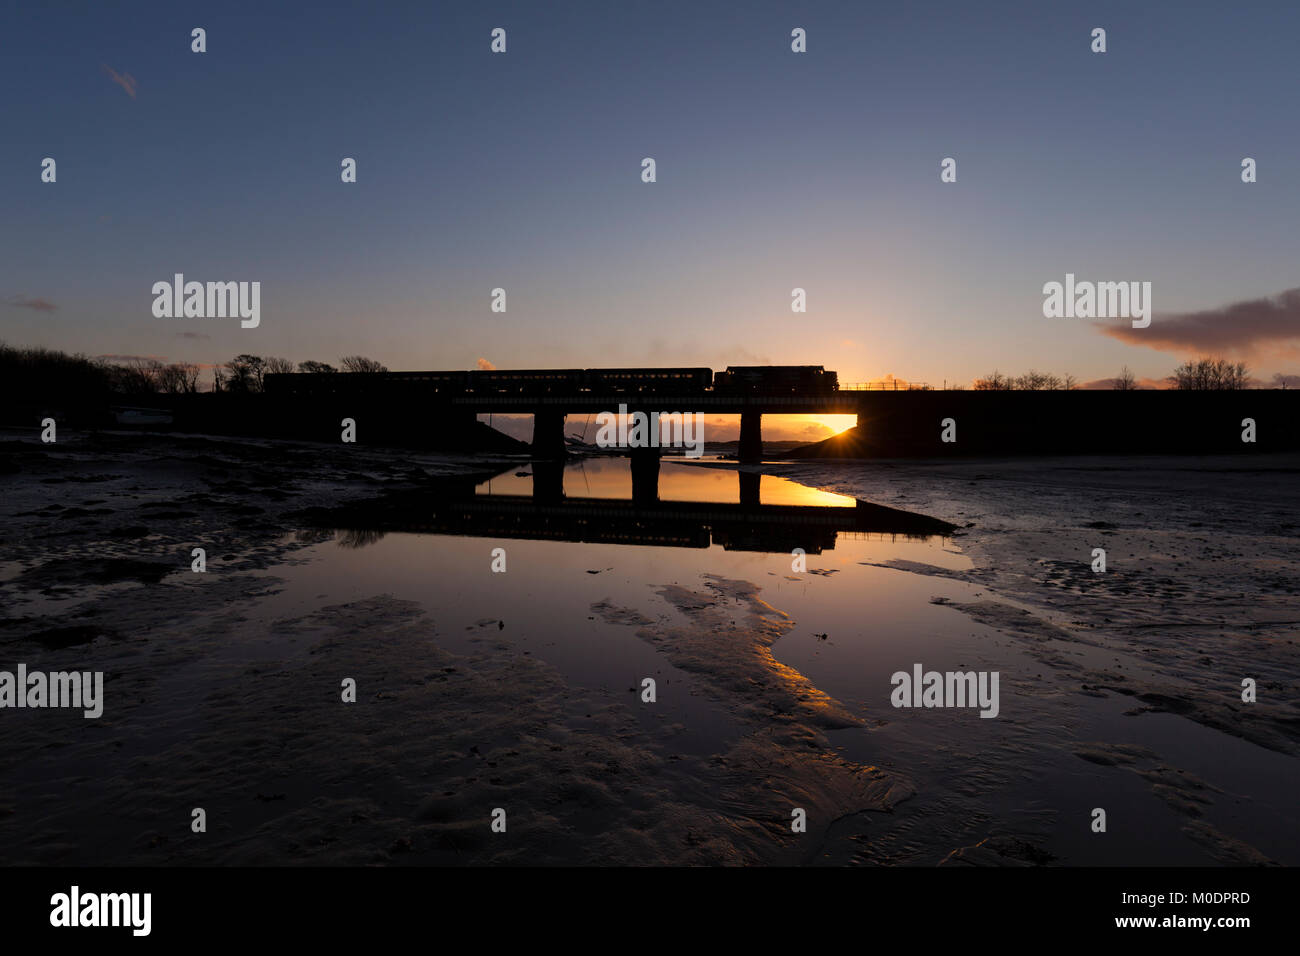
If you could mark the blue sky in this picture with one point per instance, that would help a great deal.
(775, 170)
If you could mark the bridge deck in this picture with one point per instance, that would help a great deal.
(819, 404)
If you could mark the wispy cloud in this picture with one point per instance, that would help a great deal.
(124, 80)
(38, 305)
(113, 357)
(196, 336)
(1254, 328)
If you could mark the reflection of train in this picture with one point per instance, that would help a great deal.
(760, 379)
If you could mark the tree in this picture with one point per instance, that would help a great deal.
(1127, 381)
(1035, 381)
(189, 373)
(359, 363)
(1211, 374)
(997, 382)
(179, 378)
(313, 366)
(244, 373)
(1031, 381)
(137, 376)
(278, 366)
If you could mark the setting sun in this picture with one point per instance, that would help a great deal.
(836, 423)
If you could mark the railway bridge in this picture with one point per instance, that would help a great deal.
(550, 395)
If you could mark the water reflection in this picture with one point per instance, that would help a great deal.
(636, 502)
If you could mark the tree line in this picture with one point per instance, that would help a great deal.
(1204, 374)
(32, 372)
(247, 373)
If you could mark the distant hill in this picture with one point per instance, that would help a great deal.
(847, 444)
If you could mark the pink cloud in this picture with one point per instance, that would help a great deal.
(38, 305)
(124, 80)
(1254, 328)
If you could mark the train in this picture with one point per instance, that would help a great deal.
(735, 380)
(775, 379)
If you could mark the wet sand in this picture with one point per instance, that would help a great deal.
(209, 706)
(1202, 589)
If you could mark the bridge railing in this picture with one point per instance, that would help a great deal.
(885, 385)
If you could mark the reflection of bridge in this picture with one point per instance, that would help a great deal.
(644, 520)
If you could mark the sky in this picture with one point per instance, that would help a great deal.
(774, 170)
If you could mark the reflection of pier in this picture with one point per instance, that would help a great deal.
(548, 480)
(548, 514)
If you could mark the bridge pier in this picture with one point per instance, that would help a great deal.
(548, 436)
(645, 475)
(751, 436)
(460, 427)
(749, 482)
(548, 481)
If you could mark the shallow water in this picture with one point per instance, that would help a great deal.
(588, 554)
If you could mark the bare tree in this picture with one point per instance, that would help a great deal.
(1127, 381)
(314, 366)
(178, 378)
(1211, 374)
(244, 373)
(278, 366)
(1031, 381)
(359, 363)
(189, 376)
(170, 380)
(137, 376)
(1035, 381)
(997, 382)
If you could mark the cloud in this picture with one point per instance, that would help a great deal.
(193, 335)
(37, 305)
(1254, 328)
(485, 365)
(113, 357)
(124, 80)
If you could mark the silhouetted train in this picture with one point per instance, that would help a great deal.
(775, 379)
(744, 379)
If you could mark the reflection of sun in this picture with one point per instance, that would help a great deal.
(836, 423)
